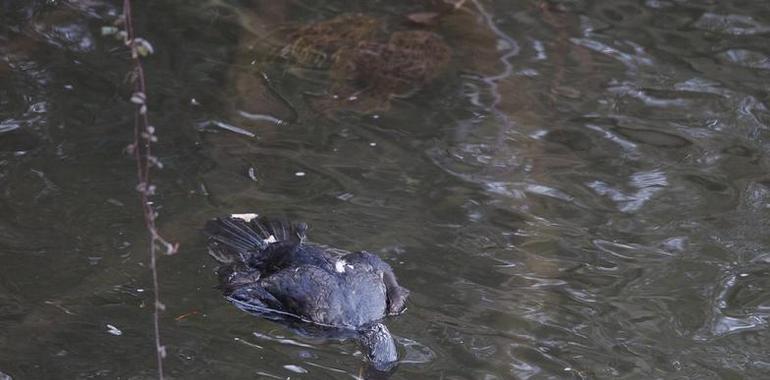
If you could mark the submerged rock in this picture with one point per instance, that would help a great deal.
(367, 68)
(319, 44)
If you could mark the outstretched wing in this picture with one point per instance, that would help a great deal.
(238, 238)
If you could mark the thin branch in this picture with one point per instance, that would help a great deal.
(141, 148)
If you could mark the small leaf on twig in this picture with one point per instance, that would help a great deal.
(154, 161)
(138, 98)
(143, 47)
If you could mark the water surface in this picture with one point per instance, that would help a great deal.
(580, 192)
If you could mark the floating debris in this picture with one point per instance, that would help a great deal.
(245, 217)
(261, 117)
(115, 202)
(345, 196)
(187, 315)
(114, 330)
(295, 368)
(225, 126)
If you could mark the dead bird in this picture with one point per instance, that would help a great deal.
(270, 270)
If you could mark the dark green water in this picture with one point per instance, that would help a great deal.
(583, 192)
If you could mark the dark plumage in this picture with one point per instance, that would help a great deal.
(270, 270)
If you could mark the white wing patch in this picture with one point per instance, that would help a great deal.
(339, 266)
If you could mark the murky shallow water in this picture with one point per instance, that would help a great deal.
(581, 193)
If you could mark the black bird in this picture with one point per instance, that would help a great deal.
(268, 269)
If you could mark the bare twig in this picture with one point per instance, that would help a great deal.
(141, 149)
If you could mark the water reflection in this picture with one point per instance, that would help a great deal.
(581, 192)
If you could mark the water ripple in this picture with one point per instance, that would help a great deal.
(738, 25)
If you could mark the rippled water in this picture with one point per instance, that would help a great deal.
(582, 192)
